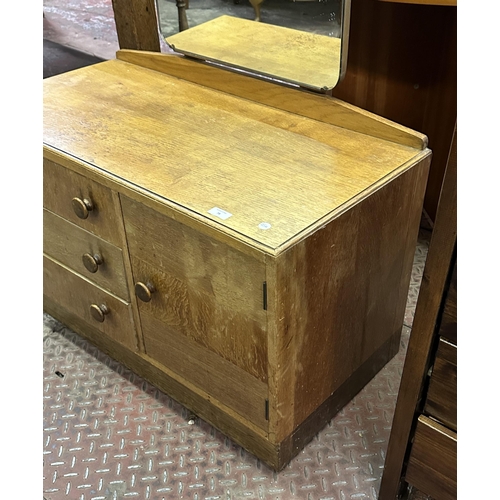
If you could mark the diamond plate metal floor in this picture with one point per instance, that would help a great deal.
(109, 435)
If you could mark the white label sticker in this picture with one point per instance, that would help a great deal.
(218, 212)
(264, 225)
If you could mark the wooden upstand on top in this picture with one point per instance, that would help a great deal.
(243, 246)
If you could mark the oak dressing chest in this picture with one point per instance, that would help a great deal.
(243, 246)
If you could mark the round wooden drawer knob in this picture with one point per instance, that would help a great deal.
(99, 312)
(82, 207)
(144, 291)
(92, 262)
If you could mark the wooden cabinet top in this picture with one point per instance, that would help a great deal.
(208, 154)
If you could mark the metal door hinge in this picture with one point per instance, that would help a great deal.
(267, 409)
(264, 295)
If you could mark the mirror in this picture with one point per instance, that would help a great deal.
(301, 43)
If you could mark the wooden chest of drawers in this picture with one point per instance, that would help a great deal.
(422, 451)
(251, 262)
(432, 457)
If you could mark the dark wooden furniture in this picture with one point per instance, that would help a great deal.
(402, 65)
(422, 450)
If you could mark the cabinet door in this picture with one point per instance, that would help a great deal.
(201, 306)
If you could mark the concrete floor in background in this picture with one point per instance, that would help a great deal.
(321, 17)
(89, 26)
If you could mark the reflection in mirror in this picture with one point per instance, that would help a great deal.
(295, 42)
(317, 16)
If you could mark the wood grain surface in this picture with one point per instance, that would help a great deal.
(318, 419)
(203, 149)
(205, 319)
(338, 296)
(232, 277)
(441, 402)
(208, 371)
(61, 185)
(76, 294)
(322, 108)
(137, 24)
(205, 290)
(402, 65)
(432, 466)
(66, 243)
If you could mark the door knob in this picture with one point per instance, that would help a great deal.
(99, 312)
(144, 291)
(92, 262)
(82, 207)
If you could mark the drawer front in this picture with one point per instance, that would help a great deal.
(441, 402)
(81, 297)
(61, 187)
(207, 371)
(205, 290)
(448, 326)
(432, 465)
(72, 246)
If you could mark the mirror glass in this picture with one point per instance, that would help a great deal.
(295, 42)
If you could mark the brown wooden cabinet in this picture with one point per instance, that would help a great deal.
(422, 450)
(250, 261)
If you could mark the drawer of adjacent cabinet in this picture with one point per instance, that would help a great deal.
(441, 402)
(83, 202)
(100, 309)
(85, 253)
(432, 465)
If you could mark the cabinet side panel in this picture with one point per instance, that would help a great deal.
(340, 295)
